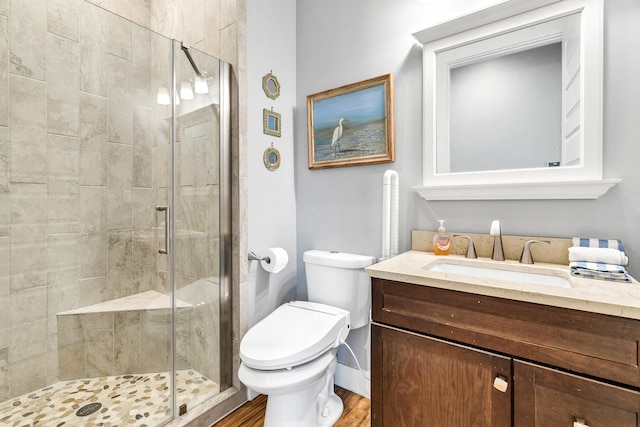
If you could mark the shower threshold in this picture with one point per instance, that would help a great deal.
(132, 400)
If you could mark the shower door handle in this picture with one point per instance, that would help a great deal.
(165, 209)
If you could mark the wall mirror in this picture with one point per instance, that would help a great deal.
(271, 123)
(271, 86)
(271, 158)
(513, 103)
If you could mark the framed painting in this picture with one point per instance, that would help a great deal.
(351, 125)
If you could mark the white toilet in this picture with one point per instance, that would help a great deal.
(291, 354)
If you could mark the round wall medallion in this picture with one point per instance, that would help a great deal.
(271, 158)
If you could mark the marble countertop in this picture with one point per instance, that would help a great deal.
(598, 296)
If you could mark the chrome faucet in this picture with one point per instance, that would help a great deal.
(526, 257)
(471, 250)
(498, 253)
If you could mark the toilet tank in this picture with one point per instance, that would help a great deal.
(338, 279)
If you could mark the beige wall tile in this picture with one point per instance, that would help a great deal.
(99, 352)
(63, 184)
(120, 7)
(5, 393)
(28, 38)
(127, 343)
(62, 86)
(193, 24)
(62, 18)
(4, 70)
(142, 144)
(141, 12)
(120, 175)
(27, 374)
(142, 63)
(228, 46)
(143, 251)
(144, 280)
(93, 290)
(93, 140)
(5, 158)
(5, 303)
(120, 264)
(93, 241)
(63, 290)
(228, 13)
(211, 43)
(28, 130)
(28, 340)
(144, 212)
(92, 30)
(28, 204)
(119, 40)
(119, 107)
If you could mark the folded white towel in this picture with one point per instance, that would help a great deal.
(593, 270)
(602, 255)
(598, 243)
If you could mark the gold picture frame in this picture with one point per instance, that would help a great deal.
(271, 86)
(351, 125)
(271, 123)
(271, 158)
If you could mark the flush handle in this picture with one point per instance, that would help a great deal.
(164, 209)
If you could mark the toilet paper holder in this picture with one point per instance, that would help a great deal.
(254, 257)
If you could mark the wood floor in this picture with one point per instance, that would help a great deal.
(251, 414)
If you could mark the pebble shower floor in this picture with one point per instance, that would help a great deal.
(122, 400)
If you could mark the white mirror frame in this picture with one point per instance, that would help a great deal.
(583, 181)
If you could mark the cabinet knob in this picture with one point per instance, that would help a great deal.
(579, 422)
(501, 384)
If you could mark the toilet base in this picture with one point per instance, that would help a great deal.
(292, 409)
(285, 410)
(304, 400)
(335, 408)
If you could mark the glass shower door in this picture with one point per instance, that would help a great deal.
(200, 270)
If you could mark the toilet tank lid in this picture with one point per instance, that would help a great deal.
(337, 259)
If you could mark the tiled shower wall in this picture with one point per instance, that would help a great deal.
(76, 163)
(76, 196)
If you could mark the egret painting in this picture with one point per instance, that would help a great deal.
(352, 125)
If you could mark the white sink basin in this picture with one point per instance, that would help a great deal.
(500, 274)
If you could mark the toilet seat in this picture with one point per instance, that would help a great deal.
(293, 334)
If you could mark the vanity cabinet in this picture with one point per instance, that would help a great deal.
(445, 358)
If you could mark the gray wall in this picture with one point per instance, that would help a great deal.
(344, 42)
(271, 210)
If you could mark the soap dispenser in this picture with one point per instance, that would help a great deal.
(441, 240)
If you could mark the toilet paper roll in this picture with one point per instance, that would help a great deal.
(278, 259)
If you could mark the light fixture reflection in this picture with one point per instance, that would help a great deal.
(163, 96)
(201, 84)
(185, 90)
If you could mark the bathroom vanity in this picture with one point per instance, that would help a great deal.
(456, 350)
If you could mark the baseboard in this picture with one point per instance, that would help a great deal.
(353, 380)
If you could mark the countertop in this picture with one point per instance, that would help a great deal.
(597, 296)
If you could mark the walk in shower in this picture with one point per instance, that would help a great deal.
(114, 220)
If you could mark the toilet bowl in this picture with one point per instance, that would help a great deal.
(290, 355)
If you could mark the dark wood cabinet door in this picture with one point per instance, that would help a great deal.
(427, 382)
(545, 397)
